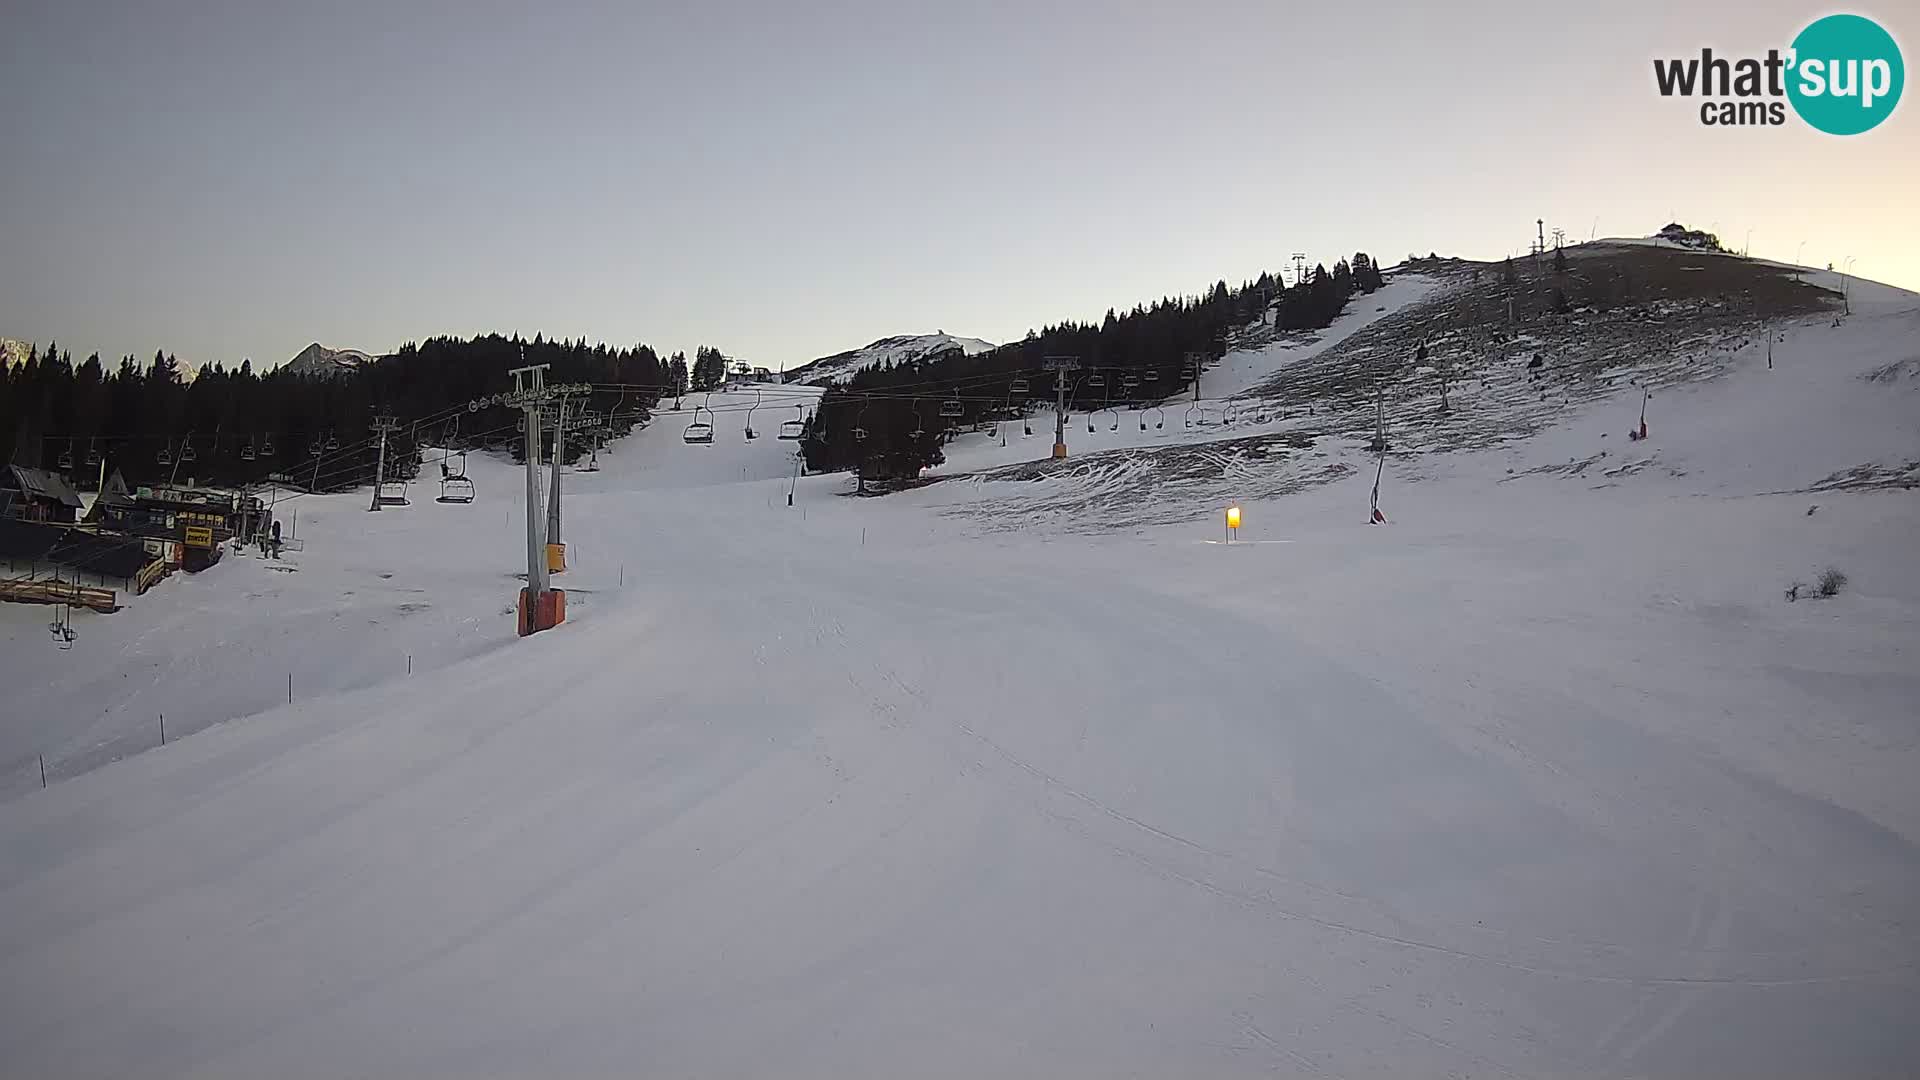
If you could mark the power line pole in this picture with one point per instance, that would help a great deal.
(383, 426)
(1060, 365)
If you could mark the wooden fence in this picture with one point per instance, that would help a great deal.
(23, 591)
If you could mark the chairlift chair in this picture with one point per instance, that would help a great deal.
(314, 448)
(66, 458)
(266, 447)
(247, 452)
(1096, 379)
(1152, 375)
(393, 493)
(791, 429)
(165, 457)
(334, 444)
(1129, 381)
(455, 489)
(188, 454)
(700, 431)
(752, 434)
(93, 455)
(952, 407)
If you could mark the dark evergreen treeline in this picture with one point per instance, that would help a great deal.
(230, 426)
(709, 368)
(887, 422)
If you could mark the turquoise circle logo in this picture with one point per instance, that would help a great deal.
(1847, 74)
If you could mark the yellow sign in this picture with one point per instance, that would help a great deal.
(199, 536)
(1233, 517)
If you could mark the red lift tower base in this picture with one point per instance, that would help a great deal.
(541, 611)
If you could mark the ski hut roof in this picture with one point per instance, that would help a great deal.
(41, 484)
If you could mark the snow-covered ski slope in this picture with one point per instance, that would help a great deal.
(902, 348)
(1544, 779)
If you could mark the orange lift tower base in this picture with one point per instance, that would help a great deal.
(542, 611)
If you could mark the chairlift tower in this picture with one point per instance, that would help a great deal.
(1060, 365)
(1198, 362)
(556, 548)
(383, 426)
(541, 607)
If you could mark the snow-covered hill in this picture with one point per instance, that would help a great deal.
(1027, 772)
(840, 367)
(317, 359)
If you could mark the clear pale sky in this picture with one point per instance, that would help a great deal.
(786, 180)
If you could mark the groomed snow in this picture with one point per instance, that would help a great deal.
(1546, 778)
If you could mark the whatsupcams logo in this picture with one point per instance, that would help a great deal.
(1842, 74)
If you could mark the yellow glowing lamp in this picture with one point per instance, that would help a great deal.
(1233, 517)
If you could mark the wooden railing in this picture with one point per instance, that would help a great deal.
(22, 591)
(149, 575)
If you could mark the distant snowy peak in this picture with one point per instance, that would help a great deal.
(901, 349)
(317, 359)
